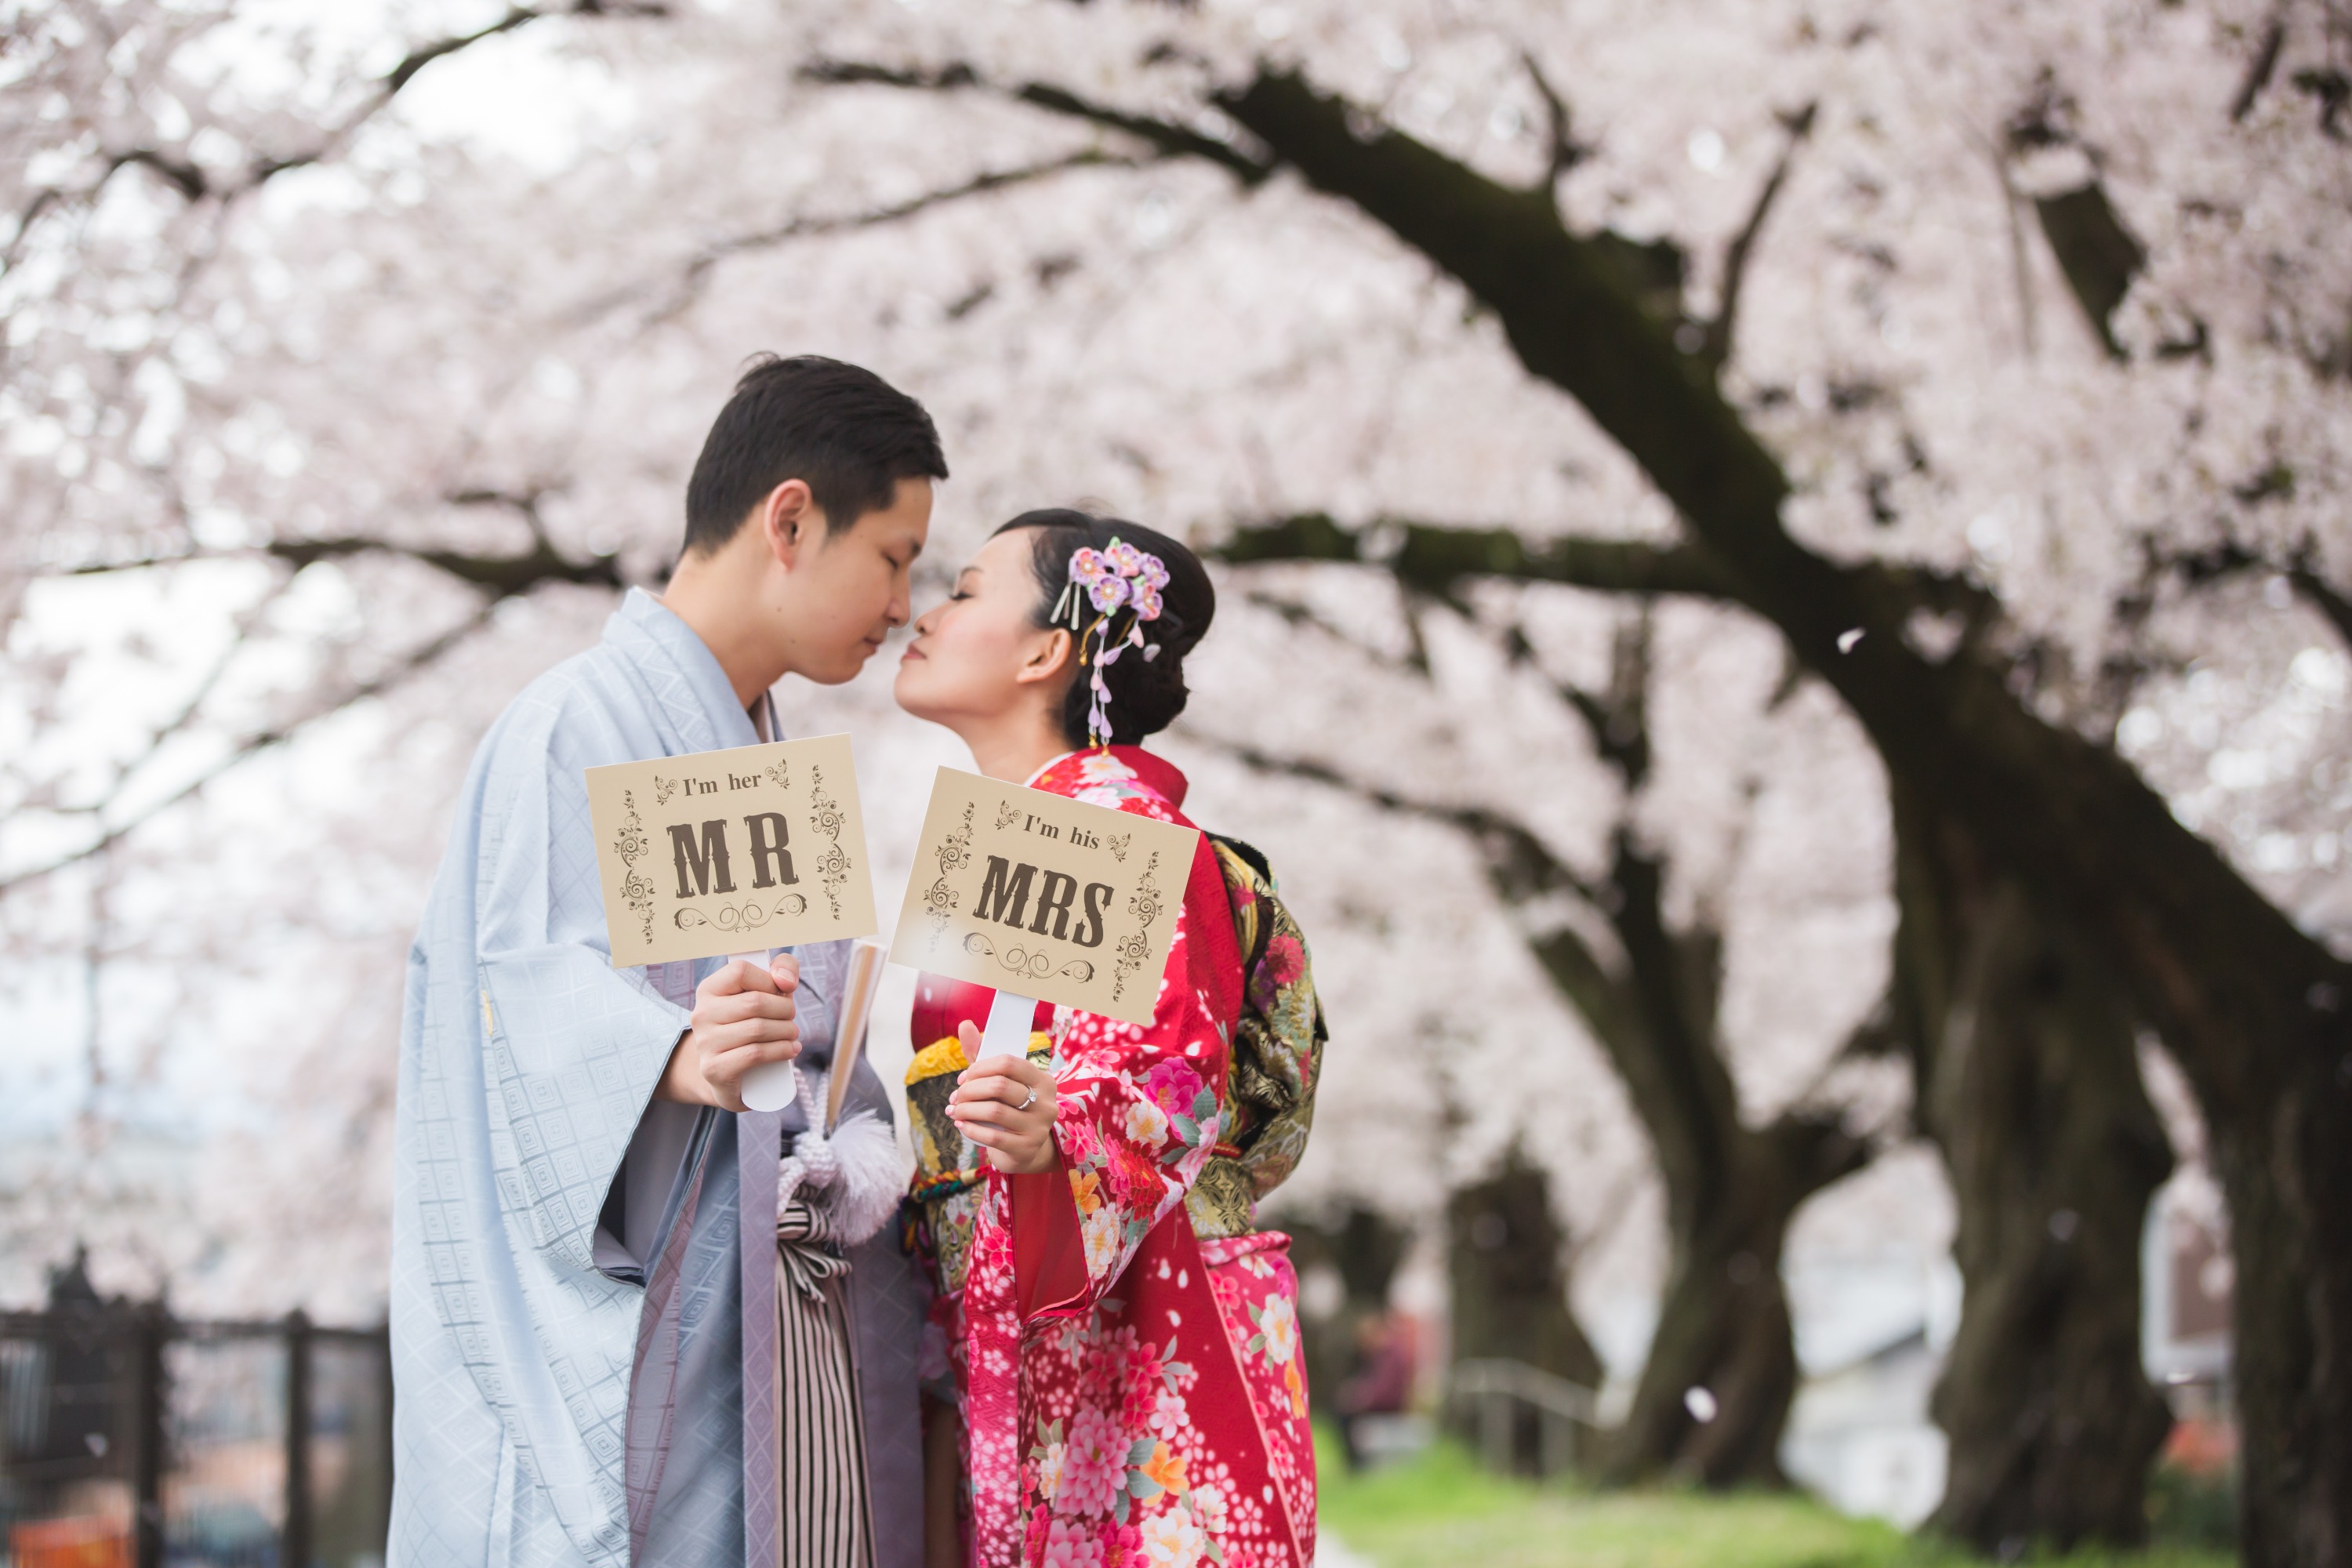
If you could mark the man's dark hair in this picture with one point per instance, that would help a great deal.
(840, 429)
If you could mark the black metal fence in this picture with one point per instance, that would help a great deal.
(130, 1439)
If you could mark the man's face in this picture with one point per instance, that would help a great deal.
(849, 589)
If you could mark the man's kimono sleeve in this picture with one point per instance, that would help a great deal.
(575, 1046)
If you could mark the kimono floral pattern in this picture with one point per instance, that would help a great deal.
(1134, 1397)
(1277, 1052)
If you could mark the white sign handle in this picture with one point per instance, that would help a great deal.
(771, 1086)
(1010, 1017)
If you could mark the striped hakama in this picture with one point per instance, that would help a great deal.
(828, 1518)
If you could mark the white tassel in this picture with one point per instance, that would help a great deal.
(851, 1180)
(874, 1173)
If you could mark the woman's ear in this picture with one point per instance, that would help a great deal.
(1048, 657)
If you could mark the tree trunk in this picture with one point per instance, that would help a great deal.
(1715, 1391)
(2028, 1082)
(1362, 1249)
(1510, 1290)
(1722, 1369)
(2285, 1164)
(1503, 1253)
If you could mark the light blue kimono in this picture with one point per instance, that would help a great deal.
(576, 1380)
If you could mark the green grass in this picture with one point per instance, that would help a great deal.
(1440, 1510)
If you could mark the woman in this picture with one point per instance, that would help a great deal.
(1144, 1403)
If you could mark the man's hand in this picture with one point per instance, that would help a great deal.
(743, 1015)
(1005, 1105)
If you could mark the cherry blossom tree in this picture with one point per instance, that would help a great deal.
(1988, 702)
(1981, 368)
(1717, 1383)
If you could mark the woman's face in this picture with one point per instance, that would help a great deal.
(979, 658)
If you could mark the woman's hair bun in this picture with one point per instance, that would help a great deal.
(1146, 693)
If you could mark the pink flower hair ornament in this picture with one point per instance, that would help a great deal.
(1117, 577)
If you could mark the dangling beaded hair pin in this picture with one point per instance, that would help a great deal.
(1117, 577)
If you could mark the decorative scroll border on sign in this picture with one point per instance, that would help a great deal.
(825, 816)
(953, 853)
(629, 843)
(1026, 963)
(742, 917)
(1135, 946)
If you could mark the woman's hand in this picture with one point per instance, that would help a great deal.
(1006, 1106)
(743, 1015)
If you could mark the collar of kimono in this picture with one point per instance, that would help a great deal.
(1074, 770)
(682, 674)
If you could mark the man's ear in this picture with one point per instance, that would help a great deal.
(788, 521)
(1047, 658)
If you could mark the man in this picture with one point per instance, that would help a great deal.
(598, 1358)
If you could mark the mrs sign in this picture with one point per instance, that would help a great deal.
(1043, 897)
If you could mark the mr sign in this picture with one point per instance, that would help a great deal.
(727, 852)
(1041, 896)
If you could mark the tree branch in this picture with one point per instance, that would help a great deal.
(1524, 868)
(1434, 559)
(1657, 1026)
(696, 273)
(501, 577)
(1691, 1105)
(1563, 151)
(1170, 139)
(1618, 718)
(1565, 303)
(255, 743)
(2324, 596)
(423, 55)
(1568, 313)
(180, 173)
(1715, 347)
(1414, 664)
(1654, 1014)
(2259, 70)
(194, 184)
(2098, 255)
(2198, 568)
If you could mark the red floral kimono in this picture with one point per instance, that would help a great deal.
(1133, 1395)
